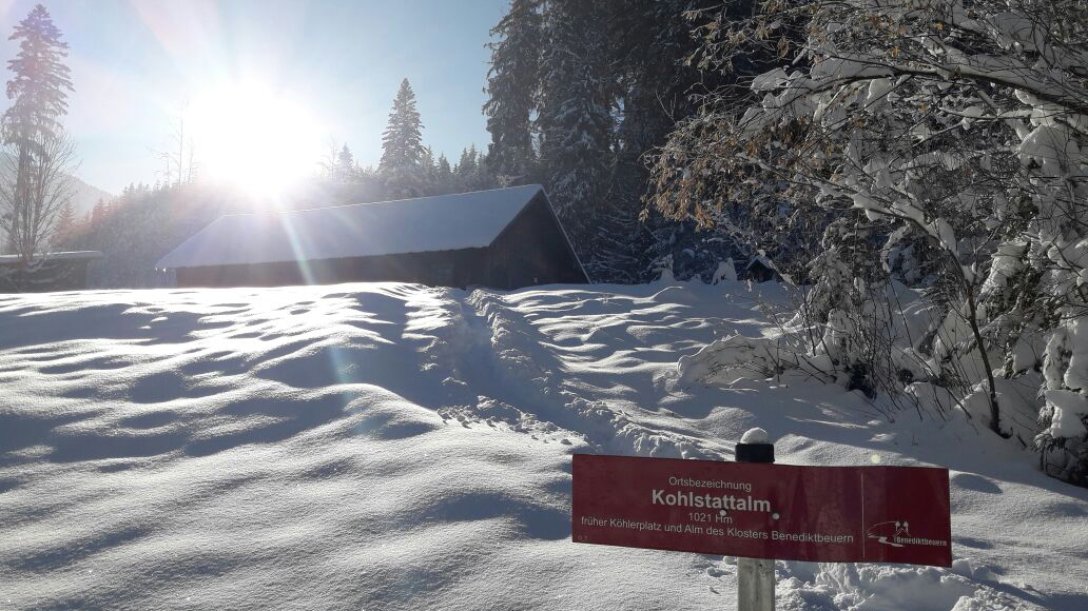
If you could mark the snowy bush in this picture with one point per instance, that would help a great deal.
(957, 130)
(862, 344)
(1064, 441)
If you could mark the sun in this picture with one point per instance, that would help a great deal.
(256, 139)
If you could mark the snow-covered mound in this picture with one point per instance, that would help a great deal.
(399, 447)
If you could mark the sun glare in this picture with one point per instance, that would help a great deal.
(255, 139)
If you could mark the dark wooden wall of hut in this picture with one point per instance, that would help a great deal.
(533, 250)
(447, 268)
(49, 276)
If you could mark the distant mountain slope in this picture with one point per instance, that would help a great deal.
(86, 196)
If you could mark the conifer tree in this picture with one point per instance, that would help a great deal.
(35, 186)
(100, 211)
(650, 41)
(428, 172)
(444, 174)
(513, 84)
(66, 224)
(584, 91)
(467, 168)
(402, 146)
(345, 163)
(576, 115)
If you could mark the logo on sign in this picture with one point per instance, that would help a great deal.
(896, 533)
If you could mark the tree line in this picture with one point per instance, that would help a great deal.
(408, 168)
(579, 94)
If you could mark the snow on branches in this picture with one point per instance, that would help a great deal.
(965, 122)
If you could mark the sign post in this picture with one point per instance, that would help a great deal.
(755, 576)
(760, 511)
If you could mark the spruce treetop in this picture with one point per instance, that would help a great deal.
(41, 81)
(402, 141)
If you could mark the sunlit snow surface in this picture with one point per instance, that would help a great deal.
(399, 447)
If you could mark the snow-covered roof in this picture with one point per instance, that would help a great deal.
(428, 224)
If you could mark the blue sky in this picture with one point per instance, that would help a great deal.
(136, 62)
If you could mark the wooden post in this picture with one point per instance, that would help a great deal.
(755, 576)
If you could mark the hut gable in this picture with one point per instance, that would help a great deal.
(451, 240)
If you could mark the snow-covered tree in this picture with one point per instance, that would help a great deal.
(34, 184)
(66, 225)
(586, 90)
(472, 172)
(444, 174)
(962, 122)
(649, 41)
(345, 164)
(513, 86)
(576, 114)
(402, 146)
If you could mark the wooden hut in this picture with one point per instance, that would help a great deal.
(503, 238)
(55, 271)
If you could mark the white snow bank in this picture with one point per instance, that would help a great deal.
(398, 447)
(736, 357)
(890, 588)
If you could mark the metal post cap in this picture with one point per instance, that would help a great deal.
(755, 452)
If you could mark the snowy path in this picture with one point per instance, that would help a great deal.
(398, 447)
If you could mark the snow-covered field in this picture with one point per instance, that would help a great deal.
(399, 447)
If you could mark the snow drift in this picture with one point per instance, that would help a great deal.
(399, 447)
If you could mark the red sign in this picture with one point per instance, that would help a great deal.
(821, 514)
